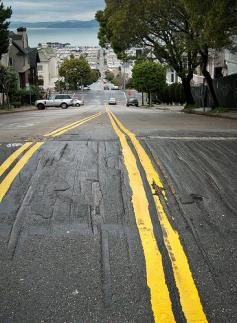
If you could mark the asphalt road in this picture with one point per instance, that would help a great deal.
(116, 214)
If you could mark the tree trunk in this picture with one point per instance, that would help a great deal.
(187, 89)
(206, 74)
(149, 99)
(142, 98)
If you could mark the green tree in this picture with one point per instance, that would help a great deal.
(130, 84)
(109, 75)
(153, 30)
(5, 13)
(9, 83)
(213, 26)
(94, 76)
(149, 77)
(60, 86)
(179, 33)
(75, 71)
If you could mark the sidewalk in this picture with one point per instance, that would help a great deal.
(199, 111)
(208, 112)
(16, 110)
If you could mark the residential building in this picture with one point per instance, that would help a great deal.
(222, 63)
(172, 77)
(48, 67)
(22, 58)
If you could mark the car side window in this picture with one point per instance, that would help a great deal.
(58, 97)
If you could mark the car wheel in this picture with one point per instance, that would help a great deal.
(127, 105)
(136, 105)
(64, 106)
(78, 105)
(41, 106)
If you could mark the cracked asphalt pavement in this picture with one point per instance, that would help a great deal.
(116, 214)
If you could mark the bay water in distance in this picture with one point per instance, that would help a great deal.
(74, 36)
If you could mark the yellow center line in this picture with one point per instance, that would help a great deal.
(7, 163)
(71, 126)
(160, 299)
(8, 180)
(77, 125)
(189, 296)
(144, 158)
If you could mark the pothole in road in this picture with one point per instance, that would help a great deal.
(192, 198)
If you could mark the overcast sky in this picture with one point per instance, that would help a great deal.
(52, 10)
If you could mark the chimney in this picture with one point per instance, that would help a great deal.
(22, 31)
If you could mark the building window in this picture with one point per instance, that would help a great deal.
(10, 61)
(172, 77)
(40, 67)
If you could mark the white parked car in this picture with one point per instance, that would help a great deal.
(77, 102)
(58, 100)
(112, 101)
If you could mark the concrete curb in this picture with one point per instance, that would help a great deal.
(213, 115)
(18, 110)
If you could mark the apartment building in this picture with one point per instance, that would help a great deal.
(48, 67)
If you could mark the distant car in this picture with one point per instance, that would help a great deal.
(112, 101)
(58, 100)
(106, 87)
(77, 102)
(133, 101)
(84, 88)
(115, 87)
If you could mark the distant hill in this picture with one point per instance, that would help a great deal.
(56, 24)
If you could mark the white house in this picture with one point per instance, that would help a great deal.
(220, 64)
(48, 67)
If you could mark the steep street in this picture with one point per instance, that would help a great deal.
(117, 214)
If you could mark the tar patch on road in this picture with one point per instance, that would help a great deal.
(69, 242)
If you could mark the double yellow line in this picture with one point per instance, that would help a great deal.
(61, 131)
(8, 180)
(29, 149)
(160, 298)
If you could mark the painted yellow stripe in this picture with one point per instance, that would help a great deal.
(77, 125)
(189, 296)
(153, 176)
(13, 157)
(68, 127)
(160, 299)
(8, 180)
(65, 127)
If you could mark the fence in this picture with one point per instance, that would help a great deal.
(226, 92)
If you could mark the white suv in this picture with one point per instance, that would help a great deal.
(58, 100)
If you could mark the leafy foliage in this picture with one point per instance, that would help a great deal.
(94, 76)
(130, 84)
(5, 13)
(149, 76)
(109, 75)
(9, 82)
(75, 71)
(172, 93)
(179, 33)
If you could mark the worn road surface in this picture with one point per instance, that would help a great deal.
(116, 214)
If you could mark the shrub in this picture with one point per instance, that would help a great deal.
(172, 93)
(28, 96)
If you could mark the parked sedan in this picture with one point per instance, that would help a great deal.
(112, 101)
(77, 101)
(133, 101)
